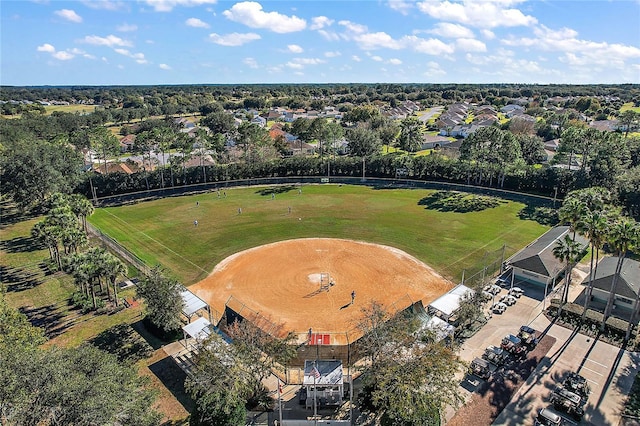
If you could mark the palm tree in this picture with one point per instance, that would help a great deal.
(114, 267)
(572, 212)
(81, 207)
(594, 227)
(410, 134)
(623, 236)
(568, 251)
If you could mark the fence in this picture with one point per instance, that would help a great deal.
(113, 245)
(490, 264)
(375, 182)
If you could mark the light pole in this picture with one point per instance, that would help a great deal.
(555, 195)
(363, 166)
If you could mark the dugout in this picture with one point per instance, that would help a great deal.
(323, 382)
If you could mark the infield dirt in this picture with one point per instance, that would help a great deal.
(282, 282)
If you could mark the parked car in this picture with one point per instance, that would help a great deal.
(528, 336)
(499, 308)
(495, 355)
(508, 299)
(577, 384)
(480, 368)
(567, 402)
(546, 417)
(516, 291)
(513, 345)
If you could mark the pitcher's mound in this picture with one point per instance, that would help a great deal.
(307, 283)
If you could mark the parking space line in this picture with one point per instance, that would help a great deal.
(596, 362)
(593, 371)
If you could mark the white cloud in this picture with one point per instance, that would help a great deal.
(430, 46)
(394, 61)
(470, 45)
(402, 6)
(138, 57)
(299, 63)
(46, 48)
(577, 51)
(332, 54)
(250, 62)
(63, 56)
(196, 23)
(329, 35)
(448, 30)
(109, 40)
(488, 34)
(356, 58)
(127, 28)
(377, 40)
(168, 5)
(352, 27)
(376, 58)
(251, 14)
(105, 5)
(319, 22)
(233, 39)
(483, 14)
(69, 15)
(164, 67)
(434, 69)
(294, 48)
(76, 51)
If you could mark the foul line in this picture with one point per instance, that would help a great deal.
(157, 242)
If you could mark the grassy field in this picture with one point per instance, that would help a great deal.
(163, 232)
(629, 105)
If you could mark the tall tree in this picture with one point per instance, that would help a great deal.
(410, 138)
(628, 119)
(567, 250)
(163, 301)
(104, 143)
(623, 236)
(363, 142)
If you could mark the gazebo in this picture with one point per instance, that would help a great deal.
(198, 330)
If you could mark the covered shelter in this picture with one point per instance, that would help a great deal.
(192, 304)
(198, 330)
(446, 305)
(323, 382)
(536, 263)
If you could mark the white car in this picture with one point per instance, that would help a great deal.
(499, 308)
(508, 300)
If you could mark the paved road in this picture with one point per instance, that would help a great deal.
(609, 370)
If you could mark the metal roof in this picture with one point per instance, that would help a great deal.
(192, 303)
(200, 329)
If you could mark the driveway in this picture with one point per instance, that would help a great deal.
(609, 370)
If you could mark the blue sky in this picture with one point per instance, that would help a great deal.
(107, 42)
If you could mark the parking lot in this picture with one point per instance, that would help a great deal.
(608, 370)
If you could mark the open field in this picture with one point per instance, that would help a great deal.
(163, 231)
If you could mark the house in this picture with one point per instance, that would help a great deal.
(432, 142)
(127, 143)
(606, 125)
(536, 263)
(112, 168)
(260, 121)
(510, 109)
(627, 286)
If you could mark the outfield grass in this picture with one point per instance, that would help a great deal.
(163, 232)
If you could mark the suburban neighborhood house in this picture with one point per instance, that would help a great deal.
(627, 287)
(536, 263)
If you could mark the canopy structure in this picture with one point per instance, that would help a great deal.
(198, 330)
(446, 305)
(193, 304)
(441, 328)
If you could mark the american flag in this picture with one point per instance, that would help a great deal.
(315, 373)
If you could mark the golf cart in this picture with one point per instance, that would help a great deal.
(513, 345)
(546, 417)
(499, 308)
(495, 355)
(480, 368)
(577, 384)
(528, 336)
(567, 402)
(508, 299)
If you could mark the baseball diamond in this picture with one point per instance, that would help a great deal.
(281, 282)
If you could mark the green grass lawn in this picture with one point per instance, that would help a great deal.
(629, 105)
(163, 232)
